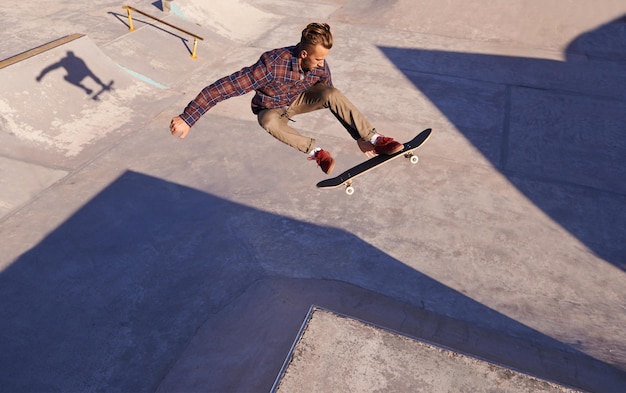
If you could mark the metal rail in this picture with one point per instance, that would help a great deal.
(131, 28)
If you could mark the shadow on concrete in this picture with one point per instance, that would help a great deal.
(159, 5)
(607, 42)
(554, 128)
(112, 297)
(76, 72)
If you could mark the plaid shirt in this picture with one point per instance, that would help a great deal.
(276, 78)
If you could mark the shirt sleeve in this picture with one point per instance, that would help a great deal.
(237, 84)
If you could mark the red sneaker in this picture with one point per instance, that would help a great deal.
(324, 160)
(386, 145)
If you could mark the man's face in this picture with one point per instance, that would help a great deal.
(311, 59)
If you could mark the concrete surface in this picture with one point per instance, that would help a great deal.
(335, 353)
(131, 261)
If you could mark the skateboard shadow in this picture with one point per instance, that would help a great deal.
(554, 128)
(112, 297)
(76, 72)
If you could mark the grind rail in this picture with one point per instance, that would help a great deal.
(131, 27)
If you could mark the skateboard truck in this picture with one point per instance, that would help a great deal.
(412, 158)
(349, 188)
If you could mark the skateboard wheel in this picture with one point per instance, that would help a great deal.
(414, 159)
(349, 190)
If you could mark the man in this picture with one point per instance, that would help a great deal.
(290, 81)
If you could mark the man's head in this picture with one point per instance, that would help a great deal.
(314, 46)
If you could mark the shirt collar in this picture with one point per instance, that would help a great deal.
(294, 58)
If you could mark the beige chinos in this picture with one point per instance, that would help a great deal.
(276, 121)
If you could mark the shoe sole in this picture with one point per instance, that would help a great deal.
(398, 149)
(330, 168)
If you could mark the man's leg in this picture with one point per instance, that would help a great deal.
(322, 96)
(276, 122)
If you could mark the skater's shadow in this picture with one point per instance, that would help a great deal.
(76, 72)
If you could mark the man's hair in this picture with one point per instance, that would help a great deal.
(314, 34)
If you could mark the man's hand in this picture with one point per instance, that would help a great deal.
(179, 128)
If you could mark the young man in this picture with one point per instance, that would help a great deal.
(290, 81)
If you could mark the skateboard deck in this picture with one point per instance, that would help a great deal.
(348, 176)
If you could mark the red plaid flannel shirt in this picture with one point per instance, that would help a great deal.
(276, 78)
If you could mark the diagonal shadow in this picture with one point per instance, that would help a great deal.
(554, 128)
(112, 297)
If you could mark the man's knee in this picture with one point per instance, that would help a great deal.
(325, 93)
(268, 119)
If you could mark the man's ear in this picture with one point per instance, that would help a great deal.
(303, 54)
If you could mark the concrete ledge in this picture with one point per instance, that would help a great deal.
(335, 353)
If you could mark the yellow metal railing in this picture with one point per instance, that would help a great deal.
(131, 28)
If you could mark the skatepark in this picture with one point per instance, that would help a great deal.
(131, 261)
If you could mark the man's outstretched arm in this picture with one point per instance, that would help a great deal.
(239, 83)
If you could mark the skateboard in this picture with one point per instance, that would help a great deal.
(348, 176)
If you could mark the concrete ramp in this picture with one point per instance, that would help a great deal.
(247, 21)
(132, 261)
(234, 19)
(57, 105)
(336, 353)
(521, 22)
(159, 48)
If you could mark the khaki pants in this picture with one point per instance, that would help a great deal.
(276, 121)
